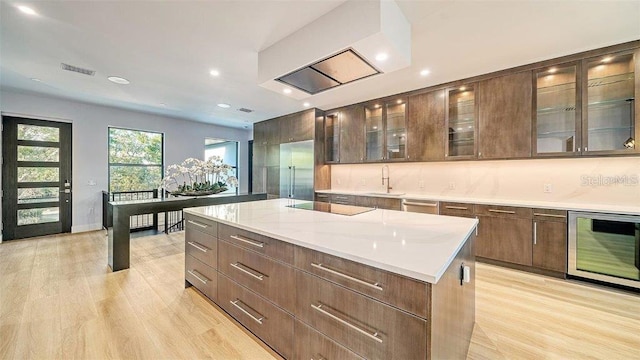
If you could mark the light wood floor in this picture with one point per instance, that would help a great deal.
(59, 301)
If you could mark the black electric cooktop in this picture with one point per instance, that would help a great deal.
(339, 209)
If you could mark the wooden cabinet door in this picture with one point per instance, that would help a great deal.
(260, 130)
(426, 127)
(273, 131)
(296, 127)
(550, 245)
(505, 105)
(505, 239)
(352, 134)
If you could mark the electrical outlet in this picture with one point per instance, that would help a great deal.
(548, 188)
(421, 184)
(452, 185)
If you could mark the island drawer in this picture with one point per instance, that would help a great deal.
(310, 344)
(201, 246)
(456, 209)
(271, 324)
(205, 225)
(203, 277)
(322, 197)
(365, 326)
(504, 211)
(407, 294)
(343, 199)
(262, 244)
(267, 277)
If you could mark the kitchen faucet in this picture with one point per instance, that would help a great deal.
(386, 178)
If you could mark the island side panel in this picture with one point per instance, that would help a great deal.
(453, 308)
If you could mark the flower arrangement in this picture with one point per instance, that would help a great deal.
(197, 177)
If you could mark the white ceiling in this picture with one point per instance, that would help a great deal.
(166, 49)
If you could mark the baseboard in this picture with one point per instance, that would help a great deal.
(85, 228)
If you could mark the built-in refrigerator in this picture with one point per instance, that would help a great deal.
(296, 170)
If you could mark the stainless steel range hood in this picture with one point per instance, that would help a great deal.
(328, 73)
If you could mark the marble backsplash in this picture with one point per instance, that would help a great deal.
(603, 180)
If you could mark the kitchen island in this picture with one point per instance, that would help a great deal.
(379, 284)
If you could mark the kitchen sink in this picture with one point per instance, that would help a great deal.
(386, 194)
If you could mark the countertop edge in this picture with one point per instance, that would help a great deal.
(432, 279)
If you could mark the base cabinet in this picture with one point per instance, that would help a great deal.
(306, 304)
(550, 240)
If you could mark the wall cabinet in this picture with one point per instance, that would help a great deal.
(504, 117)
(296, 127)
(557, 111)
(461, 128)
(385, 124)
(426, 126)
(345, 135)
(610, 107)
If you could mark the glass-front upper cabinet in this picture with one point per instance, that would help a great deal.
(609, 109)
(332, 138)
(396, 129)
(374, 127)
(386, 136)
(461, 122)
(557, 111)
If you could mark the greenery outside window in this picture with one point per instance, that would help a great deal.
(136, 159)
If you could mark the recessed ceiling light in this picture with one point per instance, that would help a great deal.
(463, 88)
(118, 80)
(425, 72)
(306, 104)
(286, 91)
(27, 10)
(382, 56)
(377, 106)
(399, 101)
(214, 72)
(224, 106)
(552, 70)
(607, 59)
(36, 79)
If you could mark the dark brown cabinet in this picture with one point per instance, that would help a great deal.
(386, 130)
(332, 137)
(504, 234)
(426, 126)
(504, 117)
(352, 134)
(610, 105)
(461, 126)
(550, 240)
(379, 202)
(297, 127)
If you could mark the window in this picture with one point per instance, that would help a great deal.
(135, 160)
(227, 150)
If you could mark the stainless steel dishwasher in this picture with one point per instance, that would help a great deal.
(421, 206)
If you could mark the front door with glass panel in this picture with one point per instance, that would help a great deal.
(36, 177)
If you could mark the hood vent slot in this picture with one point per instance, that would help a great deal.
(77, 69)
(328, 73)
(245, 110)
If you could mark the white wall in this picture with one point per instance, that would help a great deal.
(182, 139)
(600, 181)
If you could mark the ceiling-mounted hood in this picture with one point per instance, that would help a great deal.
(333, 71)
(339, 47)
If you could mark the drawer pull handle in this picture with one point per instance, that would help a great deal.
(256, 319)
(331, 271)
(197, 224)
(248, 241)
(198, 246)
(456, 207)
(249, 271)
(421, 204)
(502, 211)
(549, 215)
(373, 336)
(197, 275)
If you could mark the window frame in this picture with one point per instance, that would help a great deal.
(110, 164)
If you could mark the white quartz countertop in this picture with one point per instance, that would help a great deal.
(419, 246)
(560, 205)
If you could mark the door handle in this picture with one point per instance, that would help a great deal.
(66, 191)
(293, 181)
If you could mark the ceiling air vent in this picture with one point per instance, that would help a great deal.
(245, 110)
(328, 73)
(77, 69)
